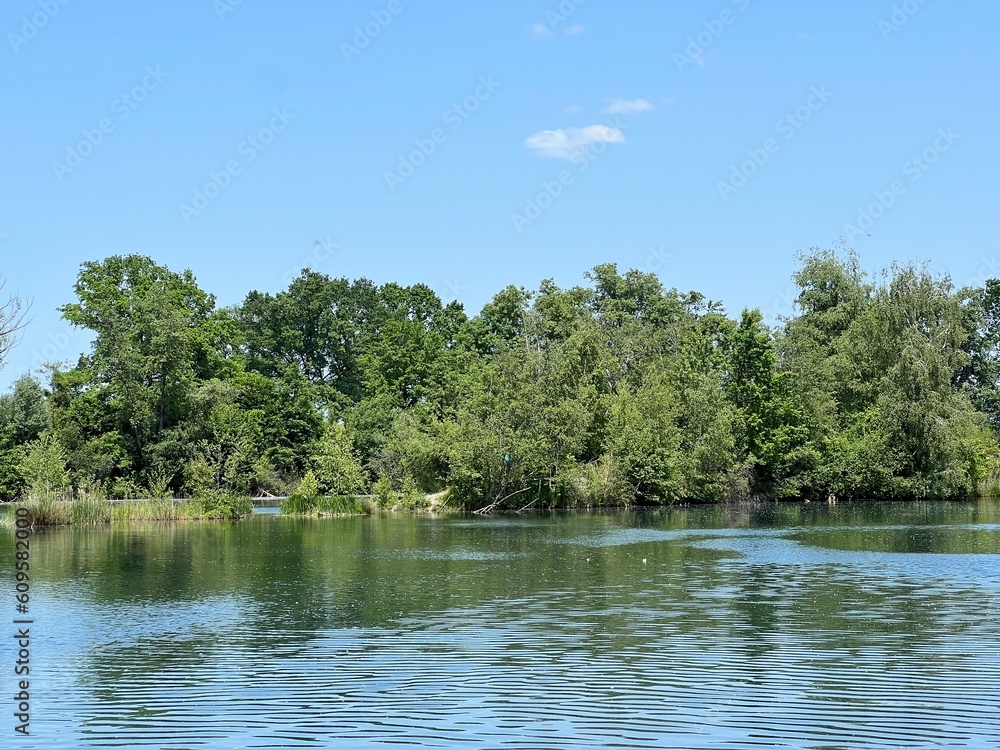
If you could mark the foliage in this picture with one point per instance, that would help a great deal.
(146, 510)
(216, 504)
(385, 496)
(44, 467)
(341, 505)
(337, 470)
(616, 391)
(305, 497)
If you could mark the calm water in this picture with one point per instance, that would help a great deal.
(858, 626)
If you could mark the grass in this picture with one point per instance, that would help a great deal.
(340, 505)
(48, 511)
(144, 510)
(218, 506)
(90, 510)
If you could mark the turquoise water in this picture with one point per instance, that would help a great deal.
(803, 626)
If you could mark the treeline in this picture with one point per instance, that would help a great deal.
(619, 391)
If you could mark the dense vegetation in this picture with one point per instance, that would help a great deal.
(620, 391)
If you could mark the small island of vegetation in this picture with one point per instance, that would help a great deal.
(347, 396)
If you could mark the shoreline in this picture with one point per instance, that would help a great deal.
(90, 512)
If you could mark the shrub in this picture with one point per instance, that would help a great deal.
(385, 496)
(159, 485)
(44, 467)
(338, 471)
(125, 489)
(412, 497)
(218, 505)
(598, 483)
(305, 497)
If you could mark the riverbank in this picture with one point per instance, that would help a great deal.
(98, 511)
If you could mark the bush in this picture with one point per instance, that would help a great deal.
(385, 496)
(338, 471)
(598, 483)
(305, 497)
(125, 489)
(412, 497)
(217, 505)
(44, 467)
(159, 485)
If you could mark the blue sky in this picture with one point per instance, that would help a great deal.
(471, 145)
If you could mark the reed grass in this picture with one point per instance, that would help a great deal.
(340, 505)
(89, 510)
(48, 511)
(144, 510)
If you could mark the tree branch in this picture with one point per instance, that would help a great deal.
(13, 318)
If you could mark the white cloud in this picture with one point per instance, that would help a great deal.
(541, 31)
(573, 109)
(628, 106)
(574, 30)
(668, 100)
(567, 143)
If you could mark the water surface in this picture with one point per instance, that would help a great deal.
(856, 626)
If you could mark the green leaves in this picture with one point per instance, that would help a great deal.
(337, 471)
(44, 468)
(620, 390)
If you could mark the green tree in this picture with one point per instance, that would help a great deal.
(44, 467)
(151, 336)
(336, 468)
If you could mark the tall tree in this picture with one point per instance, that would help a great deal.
(151, 333)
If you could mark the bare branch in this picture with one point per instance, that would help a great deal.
(494, 506)
(13, 318)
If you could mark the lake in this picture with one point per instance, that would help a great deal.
(801, 626)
